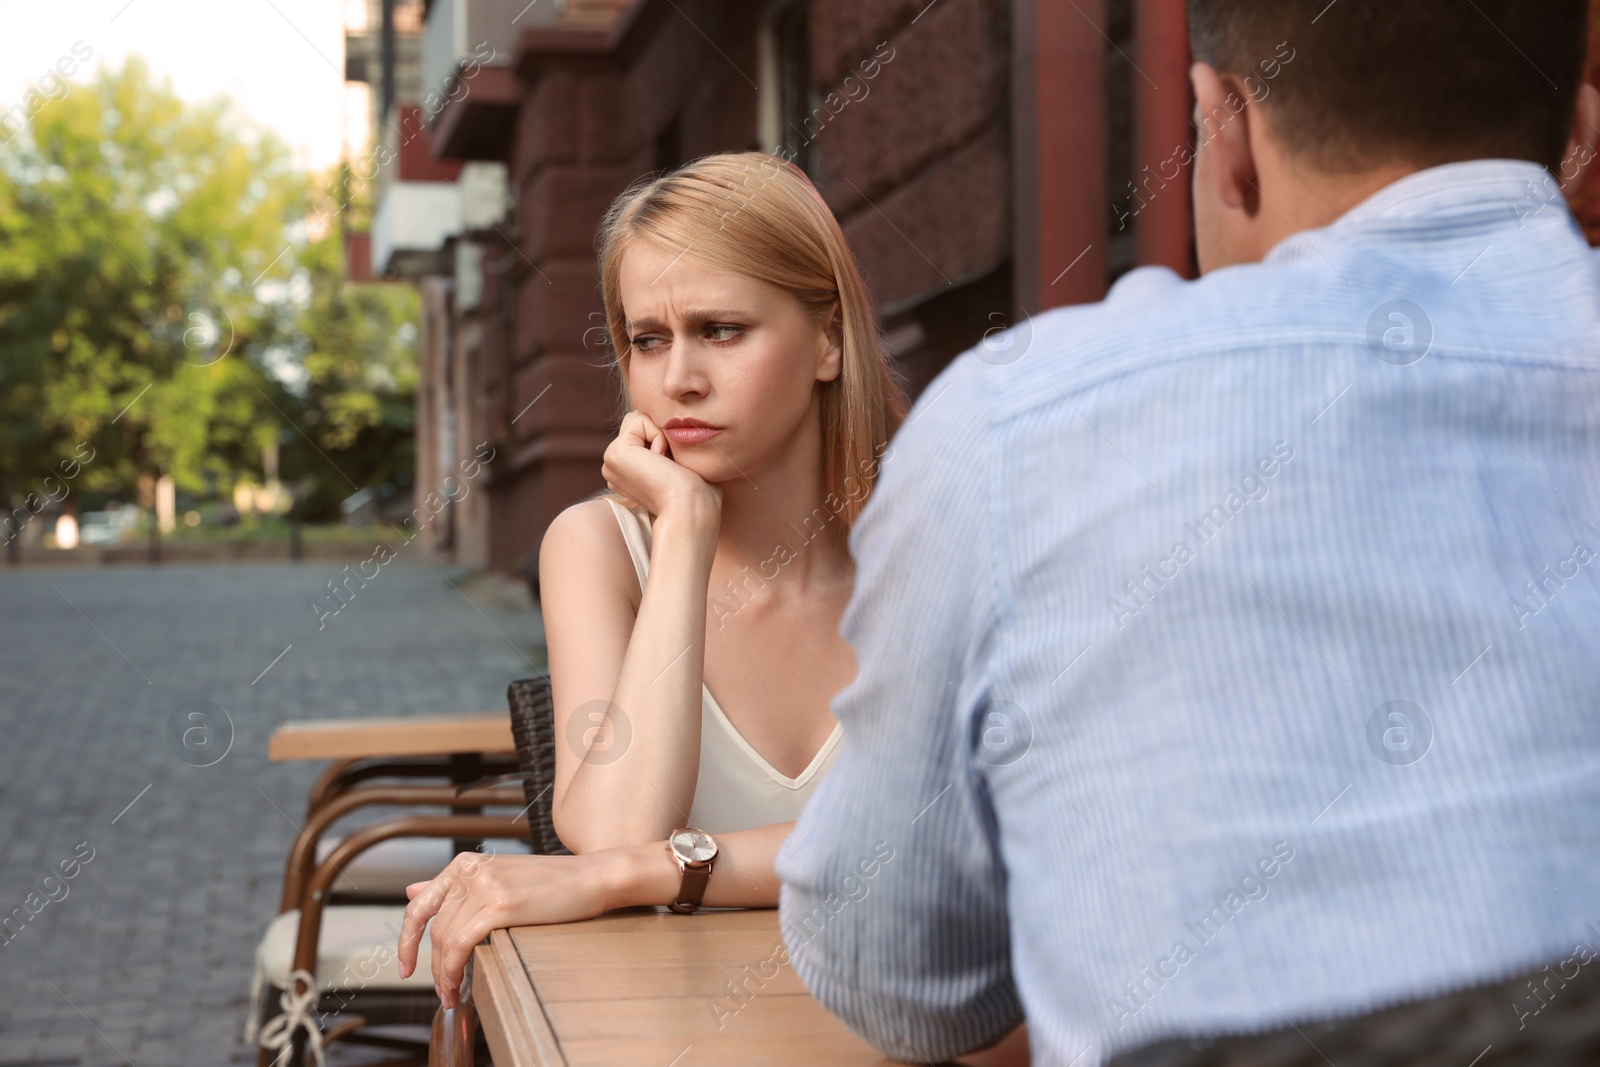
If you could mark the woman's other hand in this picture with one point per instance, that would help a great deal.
(480, 892)
(638, 465)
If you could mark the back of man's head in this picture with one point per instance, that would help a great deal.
(1419, 82)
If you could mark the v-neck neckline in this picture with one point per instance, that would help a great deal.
(756, 757)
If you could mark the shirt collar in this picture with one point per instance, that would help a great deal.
(1455, 186)
(1508, 190)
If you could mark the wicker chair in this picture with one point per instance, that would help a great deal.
(323, 931)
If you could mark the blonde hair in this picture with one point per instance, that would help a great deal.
(754, 214)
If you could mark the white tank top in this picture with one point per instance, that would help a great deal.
(737, 789)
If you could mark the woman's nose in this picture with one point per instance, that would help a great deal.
(684, 373)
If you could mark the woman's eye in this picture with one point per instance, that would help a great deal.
(645, 344)
(723, 333)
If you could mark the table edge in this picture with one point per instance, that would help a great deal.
(361, 738)
(509, 1005)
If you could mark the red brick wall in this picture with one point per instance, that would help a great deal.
(1586, 198)
(924, 144)
(699, 67)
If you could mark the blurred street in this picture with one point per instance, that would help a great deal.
(146, 958)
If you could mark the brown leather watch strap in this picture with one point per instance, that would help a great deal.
(692, 889)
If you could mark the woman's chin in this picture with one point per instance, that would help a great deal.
(711, 469)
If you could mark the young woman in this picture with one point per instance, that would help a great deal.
(692, 610)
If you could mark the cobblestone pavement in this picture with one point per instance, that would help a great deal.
(146, 959)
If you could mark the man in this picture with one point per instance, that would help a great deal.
(1230, 650)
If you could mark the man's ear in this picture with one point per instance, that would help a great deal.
(1222, 128)
(832, 362)
(1585, 134)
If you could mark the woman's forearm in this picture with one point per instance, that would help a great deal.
(645, 791)
(742, 877)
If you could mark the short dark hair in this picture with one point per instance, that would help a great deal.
(1416, 81)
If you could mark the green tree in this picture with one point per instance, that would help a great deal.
(134, 234)
(356, 346)
(167, 296)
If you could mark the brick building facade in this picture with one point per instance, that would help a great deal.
(980, 155)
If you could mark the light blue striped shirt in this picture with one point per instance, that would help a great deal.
(1230, 650)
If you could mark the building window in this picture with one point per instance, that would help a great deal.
(787, 95)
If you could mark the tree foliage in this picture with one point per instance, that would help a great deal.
(163, 298)
(358, 351)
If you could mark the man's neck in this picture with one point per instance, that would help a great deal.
(1296, 197)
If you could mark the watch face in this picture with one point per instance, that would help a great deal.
(692, 846)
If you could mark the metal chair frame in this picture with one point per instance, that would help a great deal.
(345, 787)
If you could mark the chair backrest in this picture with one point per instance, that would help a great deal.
(533, 726)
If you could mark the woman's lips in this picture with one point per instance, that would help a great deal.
(690, 435)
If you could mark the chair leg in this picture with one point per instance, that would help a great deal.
(455, 1036)
(288, 1056)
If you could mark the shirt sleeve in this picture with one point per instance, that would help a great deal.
(893, 902)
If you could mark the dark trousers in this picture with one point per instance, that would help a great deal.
(1545, 1018)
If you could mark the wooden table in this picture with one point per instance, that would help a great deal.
(647, 986)
(486, 732)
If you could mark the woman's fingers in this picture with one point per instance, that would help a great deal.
(463, 920)
(443, 900)
(462, 900)
(659, 442)
(649, 432)
(424, 903)
(631, 464)
(453, 943)
(438, 900)
(636, 427)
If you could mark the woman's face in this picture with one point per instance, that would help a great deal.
(722, 349)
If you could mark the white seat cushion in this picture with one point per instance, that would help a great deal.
(385, 869)
(357, 950)
(358, 947)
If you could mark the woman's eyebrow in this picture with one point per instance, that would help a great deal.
(694, 315)
(714, 314)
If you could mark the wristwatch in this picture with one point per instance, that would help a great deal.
(694, 852)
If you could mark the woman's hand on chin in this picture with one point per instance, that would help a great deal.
(636, 465)
(480, 892)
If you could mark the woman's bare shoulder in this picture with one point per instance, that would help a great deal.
(586, 518)
(584, 544)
